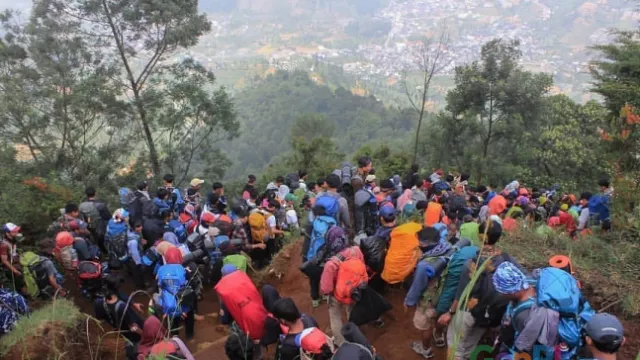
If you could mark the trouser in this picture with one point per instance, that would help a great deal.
(463, 330)
(336, 310)
(378, 284)
(314, 273)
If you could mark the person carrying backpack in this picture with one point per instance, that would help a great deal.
(286, 312)
(343, 274)
(116, 240)
(135, 245)
(141, 207)
(96, 215)
(604, 335)
(175, 200)
(485, 307)
(41, 276)
(176, 298)
(10, 260)
(334, 204)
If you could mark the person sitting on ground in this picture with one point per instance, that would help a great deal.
(119, 312)
(10, 260)
(469, 230)
(287, 313)
(604, 335)
(533, 323)
(54, 278)
(154, 342)
(583, 219)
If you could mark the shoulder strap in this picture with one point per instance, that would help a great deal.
(527, 304)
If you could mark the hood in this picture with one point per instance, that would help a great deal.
(144, 194)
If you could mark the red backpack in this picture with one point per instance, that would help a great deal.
(352, 273)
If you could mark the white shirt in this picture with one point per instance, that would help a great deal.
(271, 222)
(292, 218)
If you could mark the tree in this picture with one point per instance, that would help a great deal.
(429, 61)
(499, 96)
(142, 35)
(190, 118)
(57, 96)
(313, 150)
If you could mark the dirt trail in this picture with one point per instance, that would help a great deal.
(393, 341)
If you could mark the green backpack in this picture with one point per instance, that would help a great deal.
(240, 261)
(32, 272)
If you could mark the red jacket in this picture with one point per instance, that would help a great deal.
(330, 272)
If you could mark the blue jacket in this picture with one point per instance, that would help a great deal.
(423, 274)
(161, 204)
(114, 228)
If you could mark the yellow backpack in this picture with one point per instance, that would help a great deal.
(258, 225)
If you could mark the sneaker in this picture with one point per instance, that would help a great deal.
(420, 350)
(315, 303)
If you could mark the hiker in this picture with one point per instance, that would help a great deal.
(334, 204)
(96, 215)
(193, 195)
(13, 306)
(291, 215)
(366, 209)
(274, 231)
(251, 184)
(118, 310)
(154, 341)
(286, 311)
(116, 238)
(469, 230)
(11, 269)
(189, 218)
(142, 207)
(135, 244)
(583, 218)
(356, 346)
(175, 199)
(365, 166)
(433, 294)
(176, 298)
(78, 229)
(435, 210)
(322, 185)
(342, 274)
(604, 335)
(315, 345)
(524, 325)
(47, 277)
(275, 185)
(162, 202)
(485, 307)
(239, 347)
(240, 302)
(240, 232)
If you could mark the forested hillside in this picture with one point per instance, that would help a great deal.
(268, 111)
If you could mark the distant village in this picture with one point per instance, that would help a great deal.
(470, 24)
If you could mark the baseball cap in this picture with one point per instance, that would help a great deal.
(604, 328)
(370, 178)
(387, 212)
(195, 182)
(11, 228)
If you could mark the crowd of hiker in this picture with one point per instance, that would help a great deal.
(435, 236)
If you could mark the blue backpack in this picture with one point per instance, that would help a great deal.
(176, 227)
(126, 197)
(557, 290)
(172, 281)
(330, 205)
(321, 226)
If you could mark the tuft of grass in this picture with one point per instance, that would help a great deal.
(61, 312)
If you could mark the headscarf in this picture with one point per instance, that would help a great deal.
(171, 238)
(508, 279)
(404, 199)
(336, 241)
(173, 256)
(120, 215)
(152, 332)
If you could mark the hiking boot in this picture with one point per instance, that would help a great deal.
(420, 350)
(315, 303)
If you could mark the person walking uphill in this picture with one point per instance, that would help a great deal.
(10, 260)
(96, 214)
(342, 274)
(335, 205)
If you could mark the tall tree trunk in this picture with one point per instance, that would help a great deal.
(427, 78)
(153, 153)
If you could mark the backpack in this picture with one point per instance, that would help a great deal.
(292, 181)
(239, 261)
(557, 290)
(258, 225)
(352, 274)
(90, 277)
(172, 281)
(35, 276)
(225, 225)
(68, 257)
(114, 319)
(330, 205)
(61, 224)
(491, 306)
(176, 227)
(117, 248)
(321, 226)
(91, 215)
(127, 197)
(598, 209)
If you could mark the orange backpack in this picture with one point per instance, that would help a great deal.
(403, 253)
(352, 273)
(258, 225)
